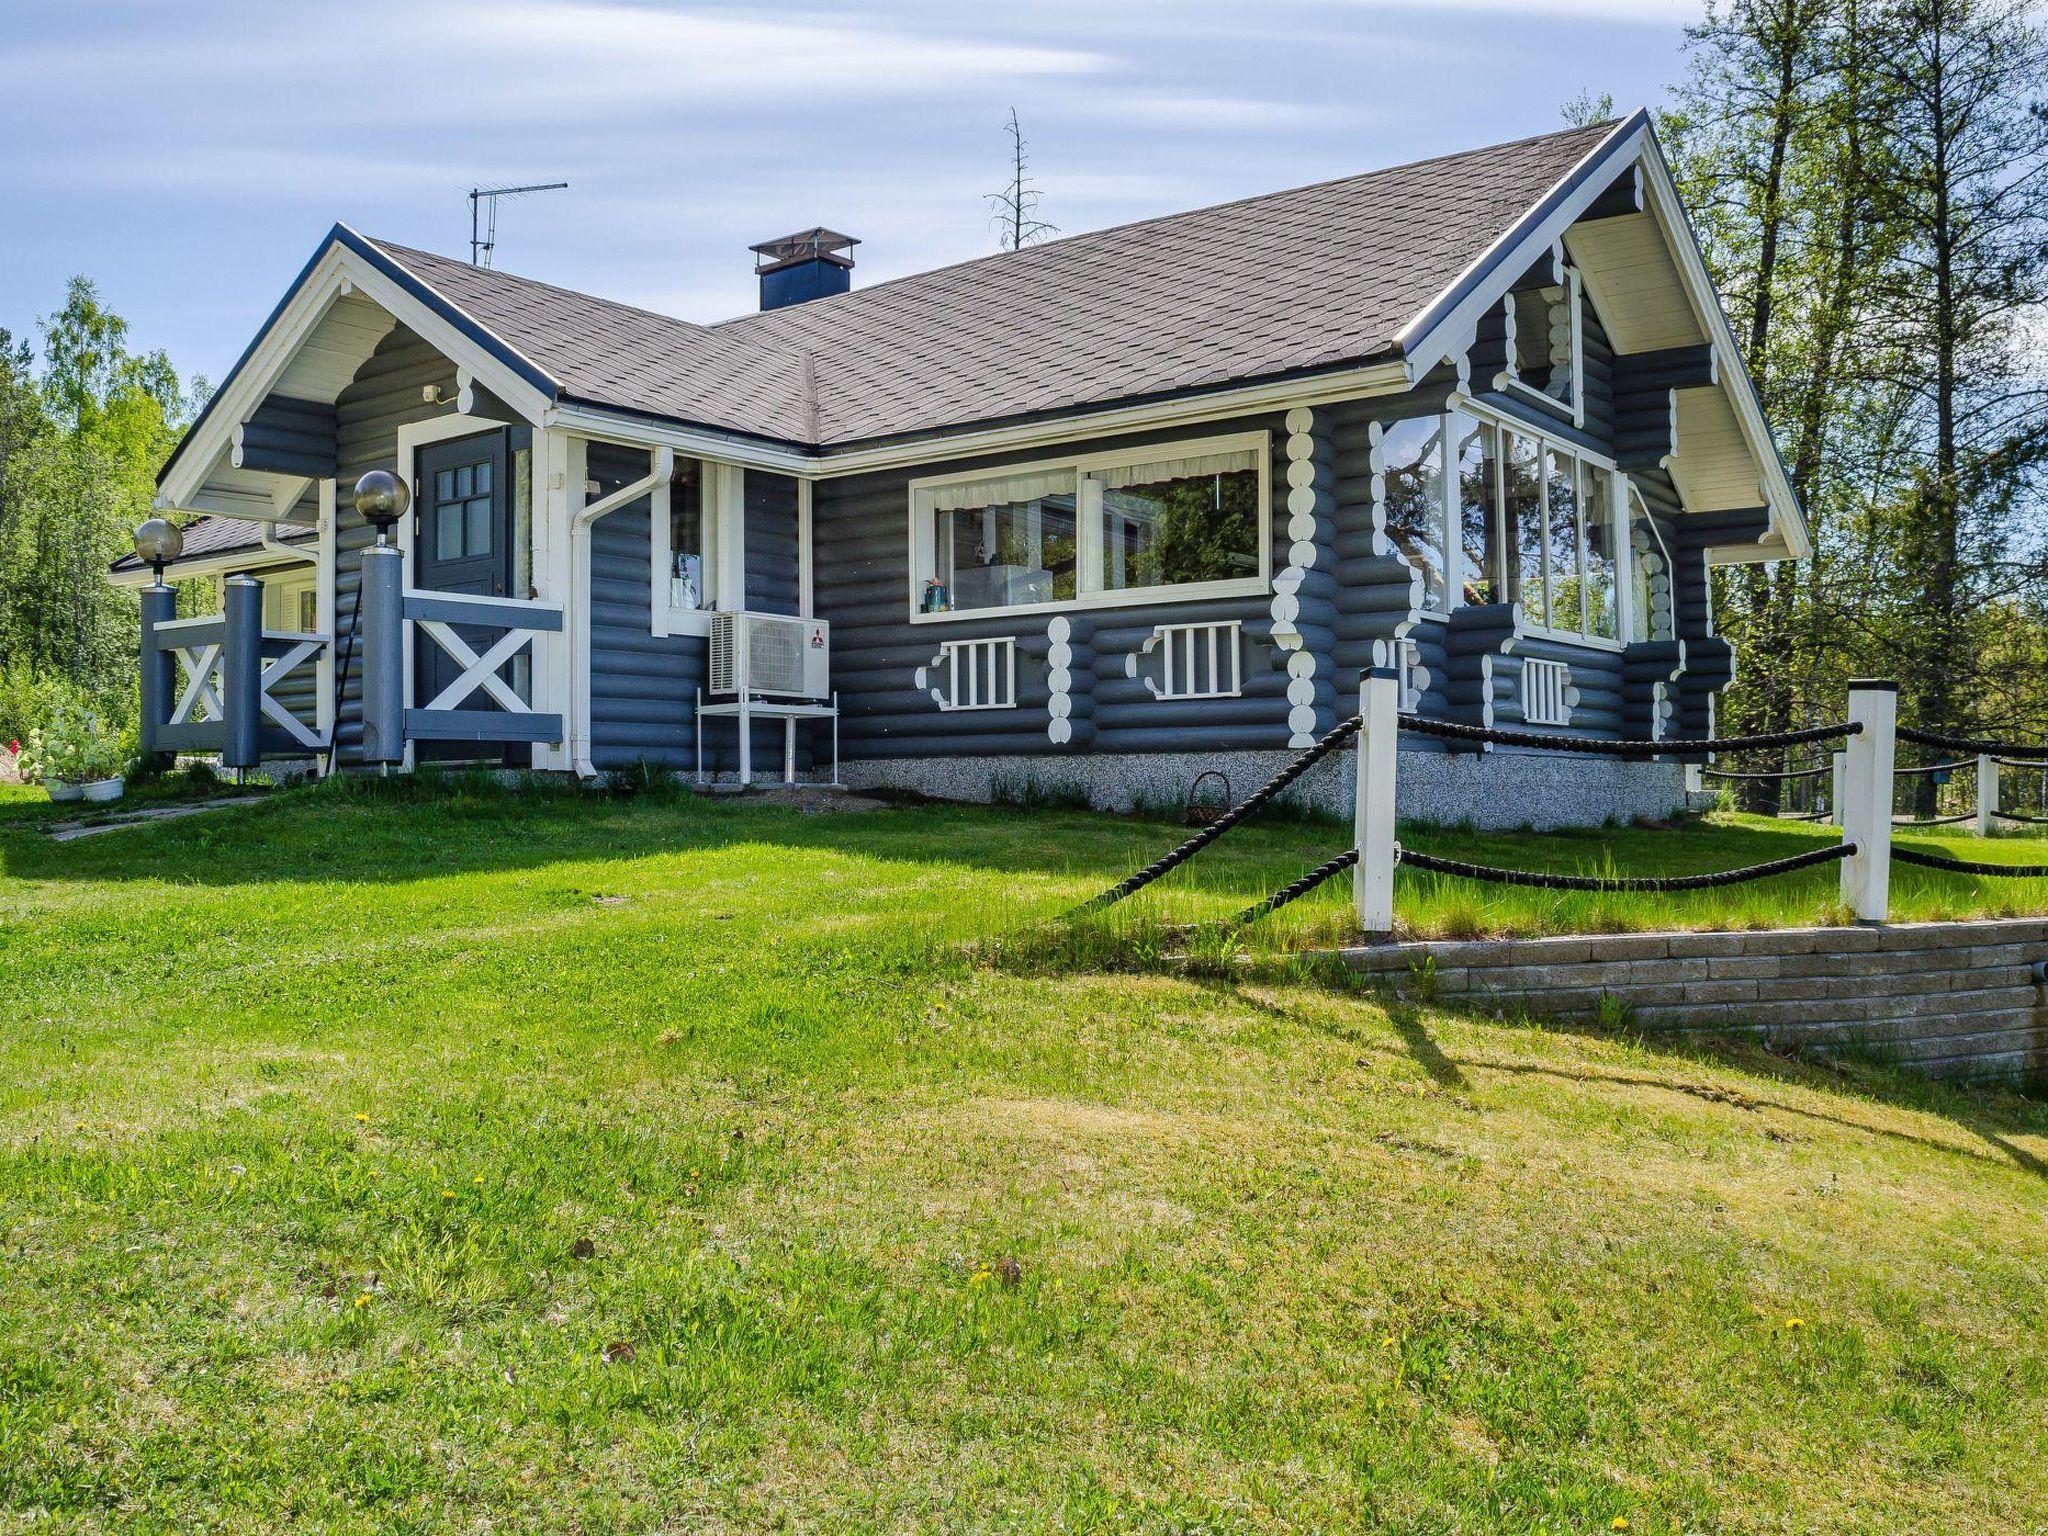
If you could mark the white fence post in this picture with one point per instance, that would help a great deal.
(1987, 793)
(1867, 799)
(1837, 786)
(1372, 881)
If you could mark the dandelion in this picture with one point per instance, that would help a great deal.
(363, 1300)
(979, 1277)
(361, 1118)
(478, 1179)
(447, 1194)
(1794, 1324)
(1390, 1342)
(1620, 1523)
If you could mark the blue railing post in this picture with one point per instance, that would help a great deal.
(159, 667)
(241, 672)
(383, 615)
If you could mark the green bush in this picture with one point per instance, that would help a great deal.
(31, 701)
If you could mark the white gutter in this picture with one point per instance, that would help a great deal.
(278, 546)
(1217, 405)
(576, 614)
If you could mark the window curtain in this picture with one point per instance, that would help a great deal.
(1154, 471)
(1000, 491)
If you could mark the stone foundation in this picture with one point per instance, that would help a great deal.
(1493, 790)
(1960, 1000)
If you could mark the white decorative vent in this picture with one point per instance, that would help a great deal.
(769, 653)
(1197, 661)
(977, 674)
(1547, 693)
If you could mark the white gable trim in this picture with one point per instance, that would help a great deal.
(336, 272)
(1445, 326)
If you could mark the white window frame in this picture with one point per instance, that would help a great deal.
(1204, 644)
(1588, 462)
(724, 565)
(295, 582)
(1511, 380)
(1088, 530)
(993, 658)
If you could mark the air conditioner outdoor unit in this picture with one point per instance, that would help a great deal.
(770, 653)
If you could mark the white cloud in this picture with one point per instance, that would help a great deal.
(1660, 13)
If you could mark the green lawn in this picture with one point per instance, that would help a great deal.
(474, 1161)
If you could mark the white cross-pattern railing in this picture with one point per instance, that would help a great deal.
(298, 649)
(455, 712)
(199, 701)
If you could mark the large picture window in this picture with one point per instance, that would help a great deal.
(1187, 519)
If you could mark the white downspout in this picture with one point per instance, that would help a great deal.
(576, 615)
(278, 546)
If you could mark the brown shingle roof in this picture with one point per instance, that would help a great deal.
(1319, 277)
(218, 535)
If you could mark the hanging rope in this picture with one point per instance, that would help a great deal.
(1970, 867)
(1900, 773)
(1250, 806)
(1933, 821)
(1294, 891)
(2028, 755)
(2039, 821)
(1782, 773)
(1619, 883)
(1550, 741)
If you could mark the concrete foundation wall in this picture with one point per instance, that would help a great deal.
(1953, 999)
(1495, 790)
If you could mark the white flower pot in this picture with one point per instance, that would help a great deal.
(103, 789)
(59, 790)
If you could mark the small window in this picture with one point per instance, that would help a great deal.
(1199, 661)
(978, 674)
(291, 603)
(1178, 522)
(689, 545)
(1546, 359)
(1546, 692)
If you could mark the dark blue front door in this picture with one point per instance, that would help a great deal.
(463, 544)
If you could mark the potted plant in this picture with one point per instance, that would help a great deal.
(76, 757)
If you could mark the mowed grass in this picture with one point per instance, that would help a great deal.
(466, 1161)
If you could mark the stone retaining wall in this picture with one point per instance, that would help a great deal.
(1953, 999)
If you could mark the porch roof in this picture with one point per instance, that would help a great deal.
(209, 537)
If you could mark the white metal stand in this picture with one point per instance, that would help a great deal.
(745, 707)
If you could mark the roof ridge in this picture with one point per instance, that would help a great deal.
(839, 300)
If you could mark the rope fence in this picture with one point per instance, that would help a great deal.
(1645, 884)
(1943, 862)
(1866, 769)
(1551, 741)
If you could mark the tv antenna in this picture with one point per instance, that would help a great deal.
(483, 240)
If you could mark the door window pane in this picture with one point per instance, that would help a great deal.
(1522, 486)
(1478, 465)
(477, 541)
(1161, 528)
(1413, 453)
(448, 532)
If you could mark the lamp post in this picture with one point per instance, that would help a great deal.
(157, 544)
(382, 499)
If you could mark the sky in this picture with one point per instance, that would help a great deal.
(189, 157)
